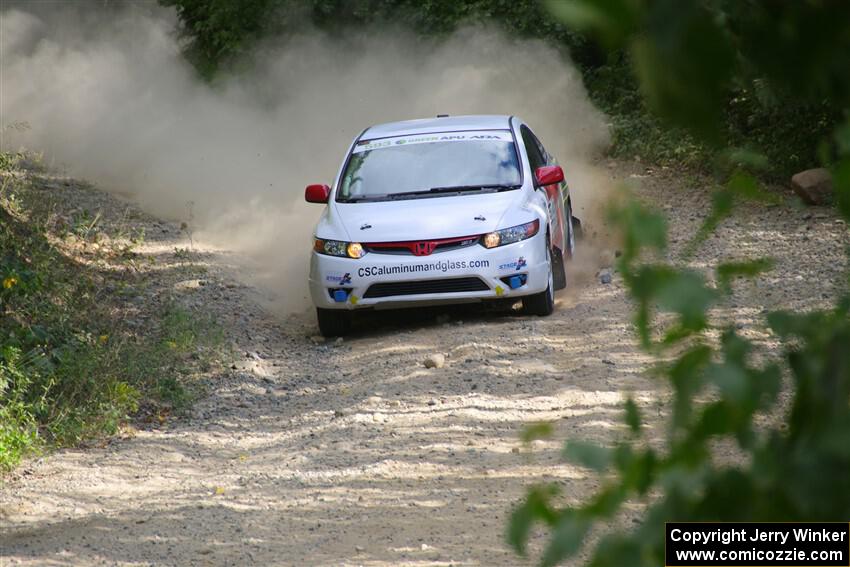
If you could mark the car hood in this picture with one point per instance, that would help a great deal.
(428, 218)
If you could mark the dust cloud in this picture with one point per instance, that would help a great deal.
(107, 94)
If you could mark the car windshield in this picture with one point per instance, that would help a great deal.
(430, 165)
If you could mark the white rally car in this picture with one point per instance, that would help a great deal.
(447, 210)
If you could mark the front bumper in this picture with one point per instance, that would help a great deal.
(441, 278)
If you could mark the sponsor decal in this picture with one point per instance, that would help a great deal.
(338, 279)
(517, 264)
(439, 266)
(496, 135)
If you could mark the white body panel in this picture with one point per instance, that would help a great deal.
(327, 272)
(433, 218)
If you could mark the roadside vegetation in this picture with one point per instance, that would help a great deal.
(787, 418)
(82, 350)
(751, 106)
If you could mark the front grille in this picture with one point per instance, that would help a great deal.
(455, 285)
(406, 248)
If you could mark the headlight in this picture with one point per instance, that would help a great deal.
(339, 248)
(510, 235)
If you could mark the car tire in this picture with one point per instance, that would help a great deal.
(560, 274)
(542, 304)
(577, 228)
(572, 224)
(333, 322)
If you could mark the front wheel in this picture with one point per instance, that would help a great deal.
(542, 304)
(333, 322)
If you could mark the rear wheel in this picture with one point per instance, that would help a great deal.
(561, 256)
(543, 303)
(571, 232)
(333, 322)
(578, 231)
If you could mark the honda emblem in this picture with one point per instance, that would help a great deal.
(424, 248)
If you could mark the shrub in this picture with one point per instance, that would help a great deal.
(792, 466)
(71, 369)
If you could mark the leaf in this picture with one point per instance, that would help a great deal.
(841, 182)
(565, 540)
(542, 430)
(787, 324)
(607, 502)
(519, 526)
(769, 384)
(728, 271)
(588, 455)
(748, 187)
(744, 157)
(722, 203)
(686, 374)
(731, 379)
(637, 468)
(535, 508)
(676, 334)
(740, 185)
(632, 415)
(641, 227)
(613, 20)
(685, 293)
(621, 551)
(716, 419)
(684, 62)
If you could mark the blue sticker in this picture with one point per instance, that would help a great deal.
(517, 265)
(340, 280)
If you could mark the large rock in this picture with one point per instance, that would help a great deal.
(814, 186)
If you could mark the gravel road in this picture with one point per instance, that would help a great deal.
(353, 452)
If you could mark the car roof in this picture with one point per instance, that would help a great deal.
(440, 124)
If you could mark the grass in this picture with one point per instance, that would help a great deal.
(82, 348)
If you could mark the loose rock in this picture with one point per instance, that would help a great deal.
(435, 361)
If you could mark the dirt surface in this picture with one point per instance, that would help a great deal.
(353, 452)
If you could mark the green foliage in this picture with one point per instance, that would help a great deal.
(635, 131)
(728, 73)
(70, 367)
(699, 76)
(9, 160)
(774, 481)
(222, 31)
(793, 462)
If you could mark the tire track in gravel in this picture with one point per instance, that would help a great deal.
(354, 453)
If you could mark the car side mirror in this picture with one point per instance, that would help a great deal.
(548, 175)
(317, 193)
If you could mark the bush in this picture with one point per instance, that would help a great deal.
(70, 367)
(220, 32)
(793, 463)
(683, 482)
(751, 107)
